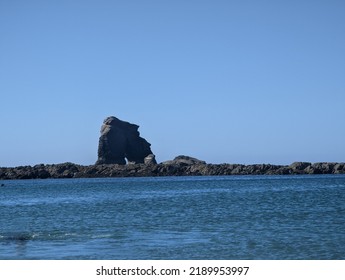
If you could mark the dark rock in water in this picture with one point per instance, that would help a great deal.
(184, 160)
(121, 140)
(299, 167)
(321, 168)
(339, 168)
(17, 237)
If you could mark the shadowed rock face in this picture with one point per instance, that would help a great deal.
(121, 140)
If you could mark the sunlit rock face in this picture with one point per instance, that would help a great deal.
(120, 140)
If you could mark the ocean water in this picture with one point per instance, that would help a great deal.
(230, 217)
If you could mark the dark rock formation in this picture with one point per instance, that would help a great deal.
(121, 140)
(184, 160)
(180, 166)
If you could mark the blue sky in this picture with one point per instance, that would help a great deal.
(224, 81)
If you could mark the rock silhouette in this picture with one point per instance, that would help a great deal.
(120, 140)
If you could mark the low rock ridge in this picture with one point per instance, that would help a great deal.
(180, 166)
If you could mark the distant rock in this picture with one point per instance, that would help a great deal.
(184, 160)
(321, 168)
(339, 168)
(299, 167)
(121, 140)
(150, 159)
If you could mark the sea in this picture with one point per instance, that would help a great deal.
(180, 218)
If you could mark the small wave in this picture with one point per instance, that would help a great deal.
(70, 234)
(99, 236)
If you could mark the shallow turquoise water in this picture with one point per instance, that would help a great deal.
(233, 217)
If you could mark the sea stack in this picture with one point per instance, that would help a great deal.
(120, 140)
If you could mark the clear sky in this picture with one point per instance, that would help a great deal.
(236, 81)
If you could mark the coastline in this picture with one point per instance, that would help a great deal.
(71, 170)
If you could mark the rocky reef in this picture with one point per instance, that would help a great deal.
(180, 166)
(123, 153)
(121, 140)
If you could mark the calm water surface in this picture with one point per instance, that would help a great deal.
(233, 217)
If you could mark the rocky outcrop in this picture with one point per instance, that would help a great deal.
(41, 171)
(180, 166)
(121, 140)
(150, 159)
(184, 160)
